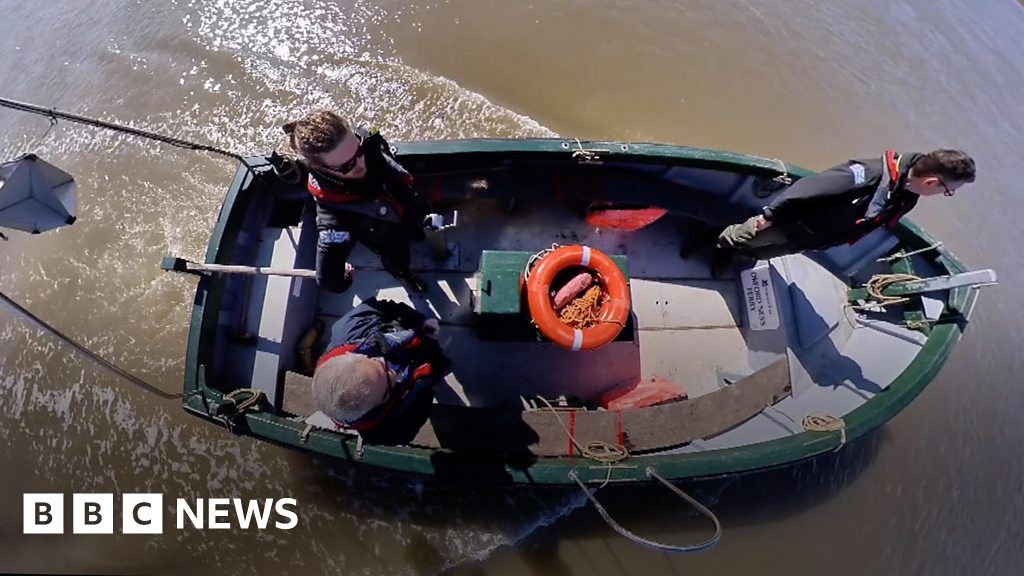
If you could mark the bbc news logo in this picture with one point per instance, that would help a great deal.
(144, 513)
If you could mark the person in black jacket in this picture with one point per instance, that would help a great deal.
(379, 370)
(362, 194)
(844, 203)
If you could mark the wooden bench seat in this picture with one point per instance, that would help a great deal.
(541, 432)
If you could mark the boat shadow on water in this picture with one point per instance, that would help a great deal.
(742, 501)
(539, 520)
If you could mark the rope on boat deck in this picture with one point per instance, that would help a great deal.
(231, 409)
(252, 400)
(705, 545)
(879, 282)
(39, 322)
(604, 452)
(822, 422)
(899, 255)
(817, 421)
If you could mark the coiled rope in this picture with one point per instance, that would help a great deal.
(879, 282)
(255, 395)
(581, 312)
(822, 422)
(817, 421)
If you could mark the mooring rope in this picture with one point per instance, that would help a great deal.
(651, 473)
(53, 114)
(239, 407)
(89, 353)
(901, 254)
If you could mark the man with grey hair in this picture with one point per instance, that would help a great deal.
(379, 370)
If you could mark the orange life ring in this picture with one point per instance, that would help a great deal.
(613, 314)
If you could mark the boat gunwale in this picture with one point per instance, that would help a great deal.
(204, 401)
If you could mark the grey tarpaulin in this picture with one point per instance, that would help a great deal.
(35, 196)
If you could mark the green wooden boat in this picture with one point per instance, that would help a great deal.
(821, 367)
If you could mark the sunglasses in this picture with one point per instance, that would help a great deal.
(348, 165)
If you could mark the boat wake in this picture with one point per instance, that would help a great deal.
(297, 56)
(256, 66)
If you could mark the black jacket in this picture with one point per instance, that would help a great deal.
(843, 203)
(385, 194)
(393, 331)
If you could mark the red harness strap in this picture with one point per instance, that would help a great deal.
(892, 166)
(397, 396)
(332, 196)
(892, 163)
(334, 353)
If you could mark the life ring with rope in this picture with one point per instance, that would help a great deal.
(612, 315)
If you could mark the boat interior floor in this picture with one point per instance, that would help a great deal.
(680, 312)
(687, 327)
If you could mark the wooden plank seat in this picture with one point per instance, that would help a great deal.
(281, 308)
(540, 432)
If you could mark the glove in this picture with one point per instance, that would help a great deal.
(431, 328)
(433, 221)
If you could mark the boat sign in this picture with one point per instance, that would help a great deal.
(759, 298)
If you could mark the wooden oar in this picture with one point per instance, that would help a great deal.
(174, 264)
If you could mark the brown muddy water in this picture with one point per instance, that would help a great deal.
(938, 490)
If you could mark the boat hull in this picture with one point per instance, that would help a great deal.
(205, 397)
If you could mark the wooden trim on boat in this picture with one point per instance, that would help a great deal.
(499, 430)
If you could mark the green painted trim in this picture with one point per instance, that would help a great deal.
(203, 325)
(607, 151)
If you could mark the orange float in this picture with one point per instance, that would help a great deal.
(625, 218)
(612, 315)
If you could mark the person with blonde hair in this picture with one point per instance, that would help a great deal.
(379, 370)
(362, 194)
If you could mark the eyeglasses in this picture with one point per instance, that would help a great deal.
(946, 190)
(351, 163)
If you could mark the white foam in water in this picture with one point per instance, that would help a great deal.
(257, 66)
(327, 55)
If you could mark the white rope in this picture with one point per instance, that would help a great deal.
(900, 255)
(585, 154)
(604, 452)
(536, 258)
(705, 545)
